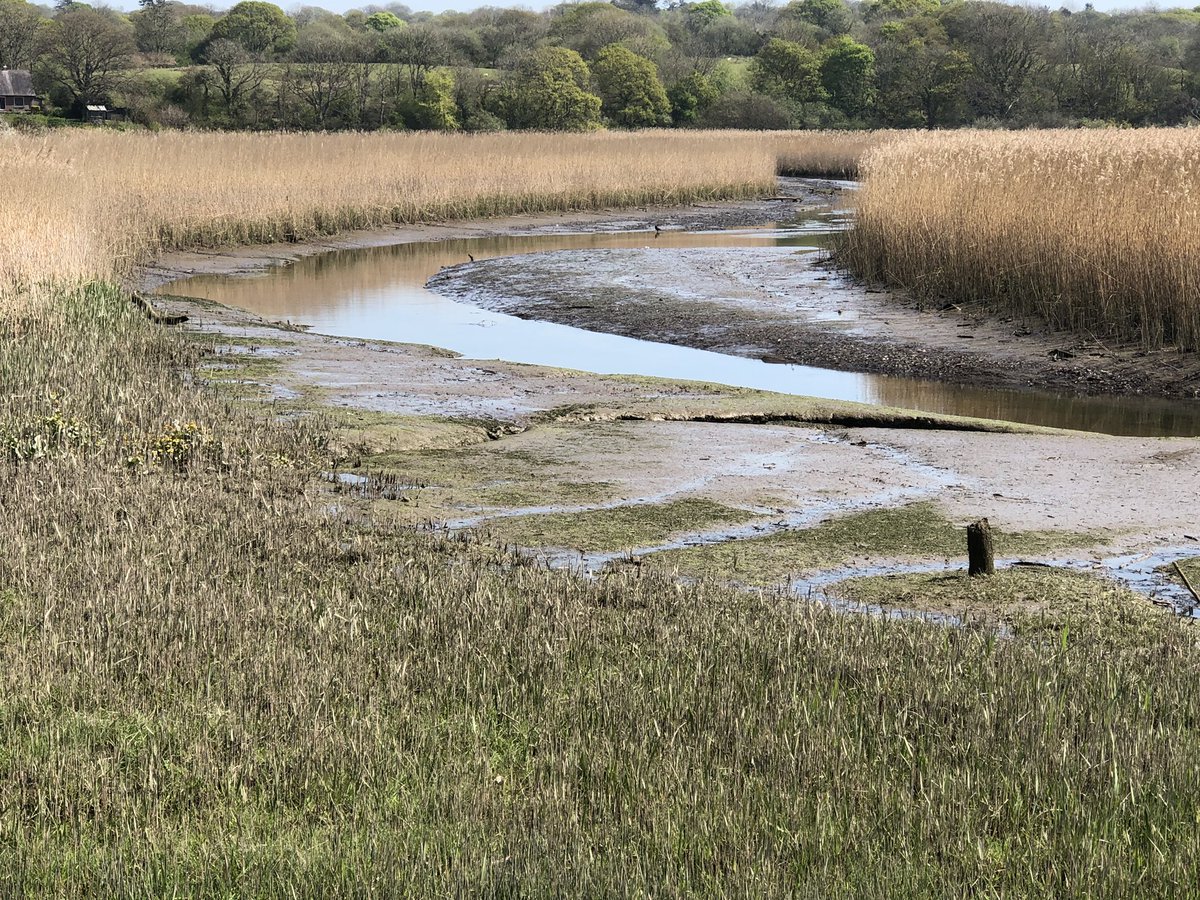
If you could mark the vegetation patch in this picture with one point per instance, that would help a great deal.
(619, 528)
(1033, 601)
(915, 531)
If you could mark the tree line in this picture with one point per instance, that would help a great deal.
(625, 64)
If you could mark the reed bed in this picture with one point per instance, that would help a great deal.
(1089, 230)
(93, 204)
(828, 154)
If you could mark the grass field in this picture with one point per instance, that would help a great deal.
(215, 686)
(1092, 230)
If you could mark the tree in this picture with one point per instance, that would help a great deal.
(433, 107)
(549, 91)
(788, 70)
(920, 79)
(238, 76)
(833, 16)
(847, 74)
(260, 28)
(383, 21)
(158, 27)
(690, 97)
(589, 27)
(87, 52)
(419, 50)
(323, 74)
(703, 13)
(1006, 45)
(20, 32)
(629, 87)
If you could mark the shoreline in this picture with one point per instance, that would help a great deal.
(891, 336)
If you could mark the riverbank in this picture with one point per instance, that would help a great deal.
(786, 306)
(566, 463)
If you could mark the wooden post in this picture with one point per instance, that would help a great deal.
(981, 557)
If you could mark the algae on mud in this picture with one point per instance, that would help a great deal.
(617, 527)
(915, 531)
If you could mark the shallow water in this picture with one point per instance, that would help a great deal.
(380, 293)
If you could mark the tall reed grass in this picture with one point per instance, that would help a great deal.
(91, 204)
(1090, 230)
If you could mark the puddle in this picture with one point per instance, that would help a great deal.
(380, 293)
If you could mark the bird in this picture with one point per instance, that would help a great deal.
(657, 230)
(471, 257)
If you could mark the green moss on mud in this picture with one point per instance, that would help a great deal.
(915, 531)
(618, 528)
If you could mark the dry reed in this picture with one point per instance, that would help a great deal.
(1096, 230)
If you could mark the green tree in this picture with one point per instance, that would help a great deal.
(1007, 48)
(548, 90)
(158, 26)
(628, 85)
(259, 27)
(433, 108)
(833, 16)
(703, 13)
(921, 80)
(848, 74)
(788, 70)
(237, 77)
(588, 27)
(690, 97)
(20, 33)
(380, 22)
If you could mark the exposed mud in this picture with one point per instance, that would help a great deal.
(481, 443)
(787, 305)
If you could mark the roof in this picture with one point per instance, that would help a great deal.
(16, 83)
(97, 109)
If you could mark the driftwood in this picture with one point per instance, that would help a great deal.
(981, 555)
(1187, 581)
(153, 314)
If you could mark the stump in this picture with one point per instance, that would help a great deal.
(981, 556)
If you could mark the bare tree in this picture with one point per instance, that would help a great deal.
(238, 76)
(88, 51)
(324, 74)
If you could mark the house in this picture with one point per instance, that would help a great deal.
(16, 91)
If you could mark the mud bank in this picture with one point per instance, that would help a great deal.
(571, 462)
(792, 306)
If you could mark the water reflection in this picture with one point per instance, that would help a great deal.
(379, 293)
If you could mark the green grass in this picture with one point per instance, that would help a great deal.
(214, 687)
(620, 528)
(915, 531)
(1033, 601)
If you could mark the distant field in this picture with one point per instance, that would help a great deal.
(1095, 230)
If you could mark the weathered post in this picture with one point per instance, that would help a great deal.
(981, 557)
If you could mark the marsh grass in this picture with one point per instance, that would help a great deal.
(1090, 230)
(221, 679)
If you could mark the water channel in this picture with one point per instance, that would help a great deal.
(380, 293)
